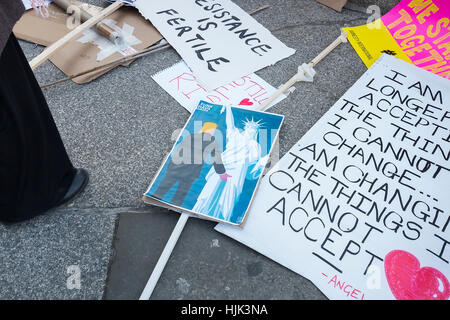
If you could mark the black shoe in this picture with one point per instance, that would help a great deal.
(79, 182)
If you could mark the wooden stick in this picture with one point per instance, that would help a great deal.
(47, 53)
(278, 93)
(259, 9)
(294, 79)
(328, 50)
(165, 255)
(102, 28)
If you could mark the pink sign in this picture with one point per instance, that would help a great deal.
(422, 29)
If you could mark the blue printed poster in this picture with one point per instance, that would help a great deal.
(215, 166)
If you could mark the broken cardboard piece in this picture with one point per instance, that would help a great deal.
(334, 4)
(76, 57)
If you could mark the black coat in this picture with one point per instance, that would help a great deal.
(10, 13)
(35, 170)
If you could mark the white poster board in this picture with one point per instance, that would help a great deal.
(248, 92)
(218, 40)
(360, 205)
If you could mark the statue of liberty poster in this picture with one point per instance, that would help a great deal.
(215, 166)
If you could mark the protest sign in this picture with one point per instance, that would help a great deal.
(416, 31)
(360, 205)
(247, 92)
(215, 166)
(218, 40)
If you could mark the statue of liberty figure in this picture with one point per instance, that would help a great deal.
(242, 160)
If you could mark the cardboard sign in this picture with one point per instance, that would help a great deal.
(417, 32)
(215, 166)
(90, 49)
(360, 205)
(334, 4)
(247, 92)
(218, 40)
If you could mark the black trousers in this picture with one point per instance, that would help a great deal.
(35, 170)
(185, 175)
(182, 189)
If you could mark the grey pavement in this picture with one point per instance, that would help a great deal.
(119, 128)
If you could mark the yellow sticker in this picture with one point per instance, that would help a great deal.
(370, 41)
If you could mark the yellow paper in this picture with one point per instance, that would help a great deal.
(370, 41)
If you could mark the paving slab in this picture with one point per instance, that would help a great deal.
(64, 254)
(119, 127)
(204, 265)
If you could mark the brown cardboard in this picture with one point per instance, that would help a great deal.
(334, 4)
(33, 28)
(76, 57)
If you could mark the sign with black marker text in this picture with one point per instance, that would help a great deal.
(217, 39)
(360, 205)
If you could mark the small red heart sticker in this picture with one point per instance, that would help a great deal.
(246, 102)
(408, 281)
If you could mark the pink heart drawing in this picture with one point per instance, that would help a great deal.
(408, 281)
(246, 102)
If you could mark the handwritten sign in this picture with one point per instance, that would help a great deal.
(218, 40)
(360, 205)
(247, 92)
(416, 31)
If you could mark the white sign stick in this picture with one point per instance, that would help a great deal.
(305, 71)
(162, 261)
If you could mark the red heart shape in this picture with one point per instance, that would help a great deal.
(246, 102)
(410, 282)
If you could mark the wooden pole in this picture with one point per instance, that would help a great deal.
(341, 39)
(102, 28)
(49, 51)
(278, 93)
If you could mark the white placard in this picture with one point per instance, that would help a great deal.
(218, 40)
(246, 92)
(360, 205)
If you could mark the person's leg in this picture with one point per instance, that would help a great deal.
(183, 188)
(35, 170)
